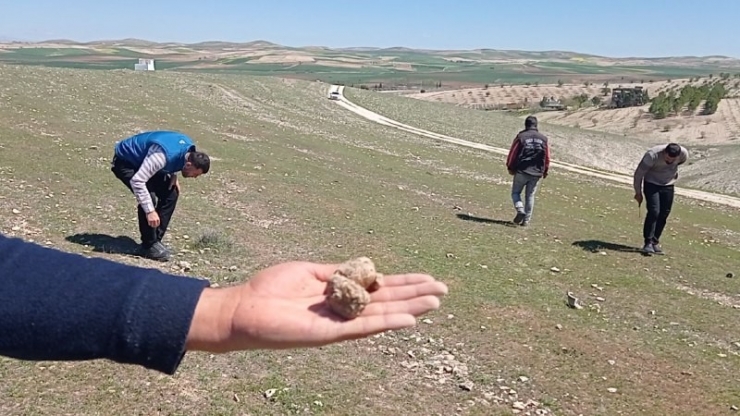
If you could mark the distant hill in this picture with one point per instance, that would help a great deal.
(363, 65)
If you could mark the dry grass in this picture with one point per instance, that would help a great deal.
(719, 128)
(713, 167)
(299, 177)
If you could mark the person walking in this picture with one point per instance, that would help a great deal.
(654, 180)
(528, 161)
(148, 163)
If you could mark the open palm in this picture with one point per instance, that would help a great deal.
(285, 306)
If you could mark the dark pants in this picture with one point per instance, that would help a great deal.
(659, 201)
(164, 199)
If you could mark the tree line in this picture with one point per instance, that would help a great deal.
(690, 97)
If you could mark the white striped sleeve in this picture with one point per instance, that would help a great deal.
(154, 161)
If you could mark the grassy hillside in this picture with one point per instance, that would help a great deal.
(712, 168)
(296, 176)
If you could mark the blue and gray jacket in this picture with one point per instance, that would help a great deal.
(175, 145)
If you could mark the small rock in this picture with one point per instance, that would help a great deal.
(730, 275)
(600, 299)
(611, 390)
(467, 385)
(734, 408)
(573, 301)
(611, 362)
(185, 266)
(233, 268)
(523, 379)
(269, 393)
(16, 212)
(558, 326)
(554, 269)
(427, 321)
(518, 406)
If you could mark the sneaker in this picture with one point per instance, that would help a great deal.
(163, 247)
(648, 249)
(524, 223)
(519, 218)
(658, 249)
(156, 252)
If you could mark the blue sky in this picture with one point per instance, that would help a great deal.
(648, 27)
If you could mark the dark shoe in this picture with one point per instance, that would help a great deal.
(156, 252)
(658, 249)
(519, 218)
(163, 247)
(648, 249)
(524, 223)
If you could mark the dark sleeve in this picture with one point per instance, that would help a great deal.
(57, 306)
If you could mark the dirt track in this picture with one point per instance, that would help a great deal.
(624, 179)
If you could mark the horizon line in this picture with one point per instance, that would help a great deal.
(122, 40)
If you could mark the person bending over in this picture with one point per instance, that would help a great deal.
(148, 163)
(654, 180)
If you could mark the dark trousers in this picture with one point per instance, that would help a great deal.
(164, 199)
(659, 201)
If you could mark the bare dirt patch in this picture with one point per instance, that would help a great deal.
(721, 127)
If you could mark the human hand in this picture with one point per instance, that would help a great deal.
(638, 198)
(152, 219)
(512, 172)
(284, 306)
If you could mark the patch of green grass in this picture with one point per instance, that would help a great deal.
(297, 176)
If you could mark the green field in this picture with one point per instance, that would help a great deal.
(424, 68)
(296, 176)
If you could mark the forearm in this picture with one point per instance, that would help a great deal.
(142, 194)
(637, 179)
(153, 162)
(61, 306)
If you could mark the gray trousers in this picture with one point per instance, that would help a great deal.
(528, 184)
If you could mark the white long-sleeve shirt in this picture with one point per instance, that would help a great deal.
(154, 161)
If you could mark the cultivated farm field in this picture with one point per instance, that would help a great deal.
(296, 176)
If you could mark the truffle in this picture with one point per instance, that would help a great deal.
(350, 286)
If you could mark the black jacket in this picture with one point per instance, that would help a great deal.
(529, 153)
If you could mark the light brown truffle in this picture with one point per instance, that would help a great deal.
(350, 286)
